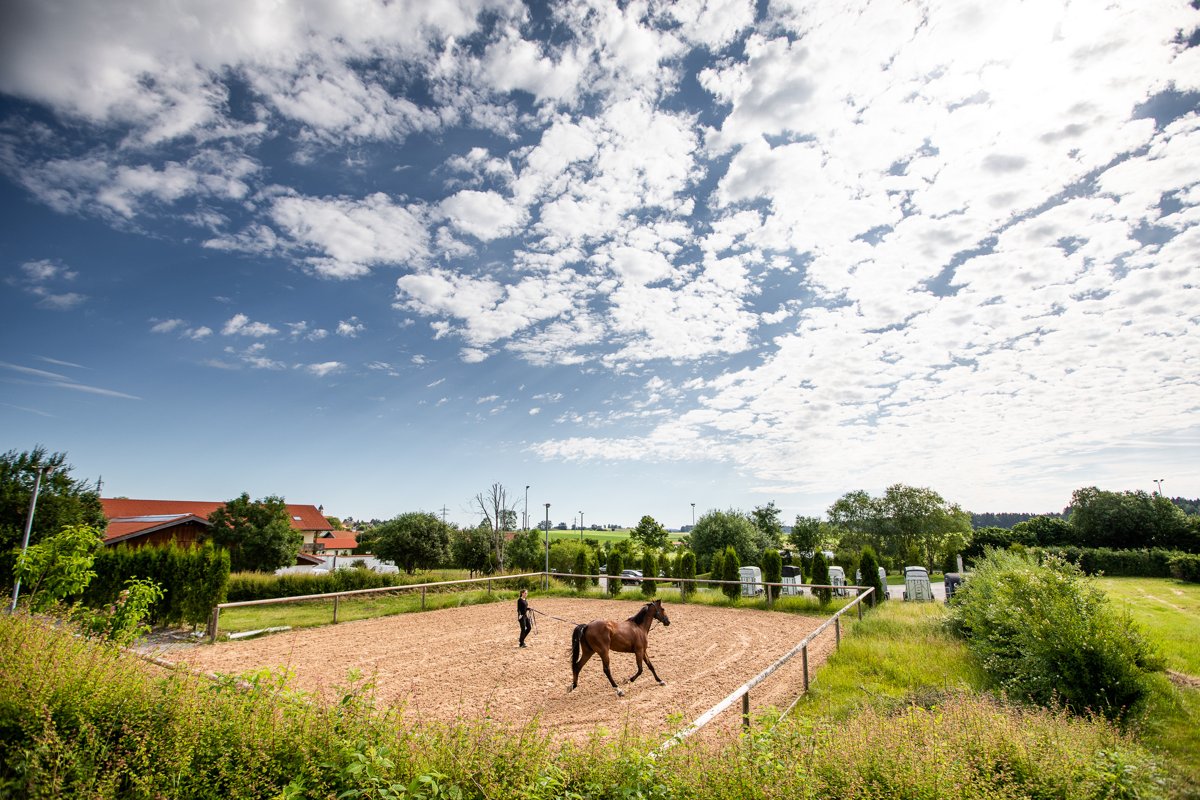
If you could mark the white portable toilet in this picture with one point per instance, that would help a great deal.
(916, 585)
(837, 577)
(751, 578)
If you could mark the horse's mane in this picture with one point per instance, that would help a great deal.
(637, 618)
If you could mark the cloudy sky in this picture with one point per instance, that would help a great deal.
(378, 256)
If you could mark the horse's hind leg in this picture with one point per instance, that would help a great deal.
(608, 674)
(584, 654)
(635, 675)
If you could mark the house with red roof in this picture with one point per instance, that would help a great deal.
(154, 522)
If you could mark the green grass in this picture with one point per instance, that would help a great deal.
(900, 653)
(82, 720)
(1168, 611)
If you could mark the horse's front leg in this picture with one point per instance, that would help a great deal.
(608, 674)
(661, 682)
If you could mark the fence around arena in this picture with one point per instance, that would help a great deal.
(215, 618)
(743, 691)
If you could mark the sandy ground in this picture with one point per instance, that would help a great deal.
(464, 662)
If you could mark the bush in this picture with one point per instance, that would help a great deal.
(1154, 563)
(1185, 567)
(615, 565)
(772, 569)
(687, 571)
(649, 572)
(1045, 633)
(820, 577)
(730, 564)
(868, 567)
(581, 569)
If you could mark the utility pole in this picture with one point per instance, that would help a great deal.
(42, 472)
(546, 578)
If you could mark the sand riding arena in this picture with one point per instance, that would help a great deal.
(464, 663)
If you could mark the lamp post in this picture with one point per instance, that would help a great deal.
(546, 577)
(581, 527)
(525, 519)
(37, 486)
(693, 515)
(1159, 483)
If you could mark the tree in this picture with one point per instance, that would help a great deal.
(868, 569)
(526, 551)
(471, 549)
(909, 523)
(820, 577)
(59, 566)
(718, 530)
(649, 572)
(687, 572)
(1046, 531)
(806, 537)
(415, 540)
(258, 535)
(766, 522)
(497, 513)
(62, 501)
(616, 563)
(649, 533)
(772, 567)
(730, 564)
(1126, 520)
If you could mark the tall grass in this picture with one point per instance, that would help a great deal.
(80, 720)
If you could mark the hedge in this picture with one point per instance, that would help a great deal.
(193, 579)
(1186, 567)
(1154, 563)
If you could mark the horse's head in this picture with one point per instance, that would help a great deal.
(659, 614)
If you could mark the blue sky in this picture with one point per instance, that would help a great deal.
(635, 256)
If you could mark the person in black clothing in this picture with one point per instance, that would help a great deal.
(523, 615)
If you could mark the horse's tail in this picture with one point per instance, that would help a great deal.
(575, 639)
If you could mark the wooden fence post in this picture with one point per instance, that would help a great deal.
(746, 711)
(422, 598)
(213, 621)
(335, 609)
(837, 629)
(804, 658)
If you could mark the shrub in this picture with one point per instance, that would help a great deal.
(772, 567)
(687, 571)
(820, 577)
(1045, 633)
(1155, 563)
(1185, 567)
(649, 572)
(868, 567)
(581, 569)
(59, 566)
(730, 564)
(615, 565)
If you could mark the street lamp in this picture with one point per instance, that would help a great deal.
(693, 515)
(1159, 482)
(546, 578)
(580, 526)
(42, 472)
(525, 519)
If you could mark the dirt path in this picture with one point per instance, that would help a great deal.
(464, 662)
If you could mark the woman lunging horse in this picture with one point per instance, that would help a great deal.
(629, 636)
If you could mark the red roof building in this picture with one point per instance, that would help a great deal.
(142, 522)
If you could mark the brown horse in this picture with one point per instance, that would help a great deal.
(602, 635)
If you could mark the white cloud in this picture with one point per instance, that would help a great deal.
(350, 328)
(484, 215)
(241, 325)
(324, 368)
(350, 236)
(167, 326)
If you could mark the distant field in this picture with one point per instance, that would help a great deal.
(602, 536)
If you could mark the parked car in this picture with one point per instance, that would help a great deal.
(631, 573)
